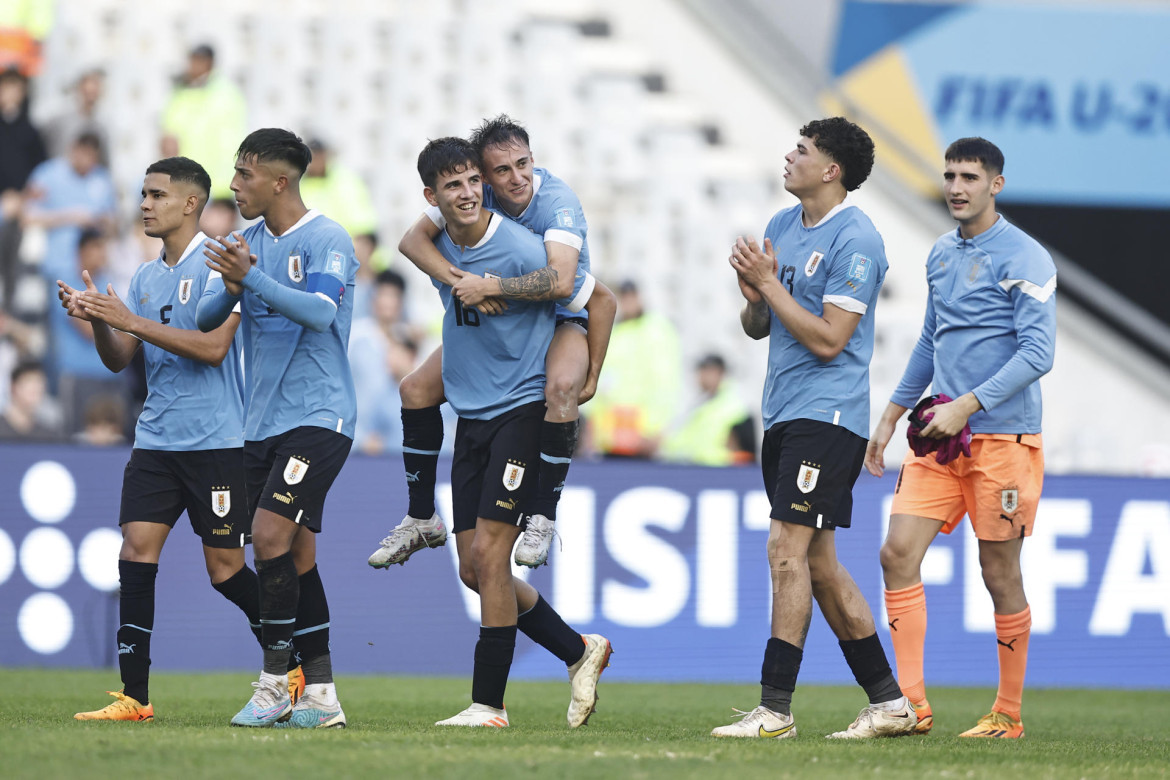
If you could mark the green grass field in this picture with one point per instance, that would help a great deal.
(638, 731)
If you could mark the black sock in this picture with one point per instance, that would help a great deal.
(311, 637)
(493, 661)
(548, 629)
(243, 590)
(867, 660)
(557, 442)
(136, 612)
(422, 437)
(778, 675)
(279, 594)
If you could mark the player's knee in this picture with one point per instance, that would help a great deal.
(893, 558)
(417, 392)
(562, 390)
(822, 573)
(467, 576)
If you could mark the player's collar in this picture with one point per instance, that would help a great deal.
(831, 213)
(996, 228)
(194, 244)
(310, 215)
(493, 224)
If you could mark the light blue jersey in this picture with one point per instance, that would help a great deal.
(492, 364)
(293, 375)
(990, 327)
(190, 405)
(554, 214)
(841, 261)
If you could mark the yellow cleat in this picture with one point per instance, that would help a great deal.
(996, 725)
(925, 717)
(125, 708)
(296, 684)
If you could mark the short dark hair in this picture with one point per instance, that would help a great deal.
(978, 150)
(712, 360)
(443, 156)
(89, 138)
(500, 131)
(26, 367)
(274, 143)
(203, 50)
(391, 277)
(184, 169)
(89, 235)
(846, 144)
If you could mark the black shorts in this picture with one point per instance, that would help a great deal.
(291, 473)
(809, 470)
(495, 466)
(573, 319)
(159, 484)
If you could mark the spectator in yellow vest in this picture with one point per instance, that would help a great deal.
(720, 430)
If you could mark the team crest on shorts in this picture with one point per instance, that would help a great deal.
(296, 268)
(185, 290)
(814, 262)
(806, 477)
(295, 471)
(1009, 499)
(513, 475)
(221, 502)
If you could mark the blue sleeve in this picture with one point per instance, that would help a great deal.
(855, 274)
(565, 221)
(215, 305)
(1034, 314)
(920, 368)
(310, 308)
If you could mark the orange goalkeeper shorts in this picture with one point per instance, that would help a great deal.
(998, 487)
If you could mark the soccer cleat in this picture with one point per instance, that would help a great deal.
(407, 538)
(269, 703)
(761, 722)
(583, 677)
(296, 685)
(123, 708)
(873, 722)
(925, 717)
(478, 715)
(997, 725)
(318, 708)
(532, 550)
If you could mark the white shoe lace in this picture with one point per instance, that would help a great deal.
(751, 717)
(266, 694)
(538, 535)
(400, 534)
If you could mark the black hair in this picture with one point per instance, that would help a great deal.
(712, 360)
(443, 156)
(90, 139)
(26, 367)
(845, 144)
(500, 131)
(391, 277)
(273, 143)
(184, 169)
(978, 150)
(88, 236)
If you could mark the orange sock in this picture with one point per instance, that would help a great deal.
(907, 611)
(1011, 634)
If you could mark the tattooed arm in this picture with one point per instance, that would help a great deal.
(551, 283)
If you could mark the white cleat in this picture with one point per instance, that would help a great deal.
(874, 722)
(407, 538)
(760, 723)
(478, 715)
(317, 708)
(583, 677)
(532, 550)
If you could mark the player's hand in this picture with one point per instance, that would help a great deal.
(107, 307)
(875, 459)
(948, 419)
(750, 294)
(491, 306)
(588, 390)
(472, 290)
(754, 265)
(231, 258)
(70, 298)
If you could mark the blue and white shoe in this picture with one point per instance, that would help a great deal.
(269, 704)
(318, 708)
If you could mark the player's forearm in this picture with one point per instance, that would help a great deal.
(543, 284)
(312, 310)
(210, 348)
(602, 307)
(815, 333)
(756, 320)
(115, 348)
(214, 309)
(419, 249)
(892, 414)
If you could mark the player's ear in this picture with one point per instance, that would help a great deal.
(997, 184)
(832, 173)
(192, 204)
(429, 194)
(280, 184)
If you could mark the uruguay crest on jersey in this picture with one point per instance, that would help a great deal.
(295, 470)
(814, 262)
(185, 289)
(296, 268)
(806, 477)
(221, 502)
(513, 475)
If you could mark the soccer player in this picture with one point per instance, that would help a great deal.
(812, 290)
(987, 338)
(296, 302)
(493, 376)
(546, 206)
(188, 441)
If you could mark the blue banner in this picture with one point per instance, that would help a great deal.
(666, 561)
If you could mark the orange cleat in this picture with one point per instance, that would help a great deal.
(125, 708)
(925, 717)
(296, 684)
(996, 725)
